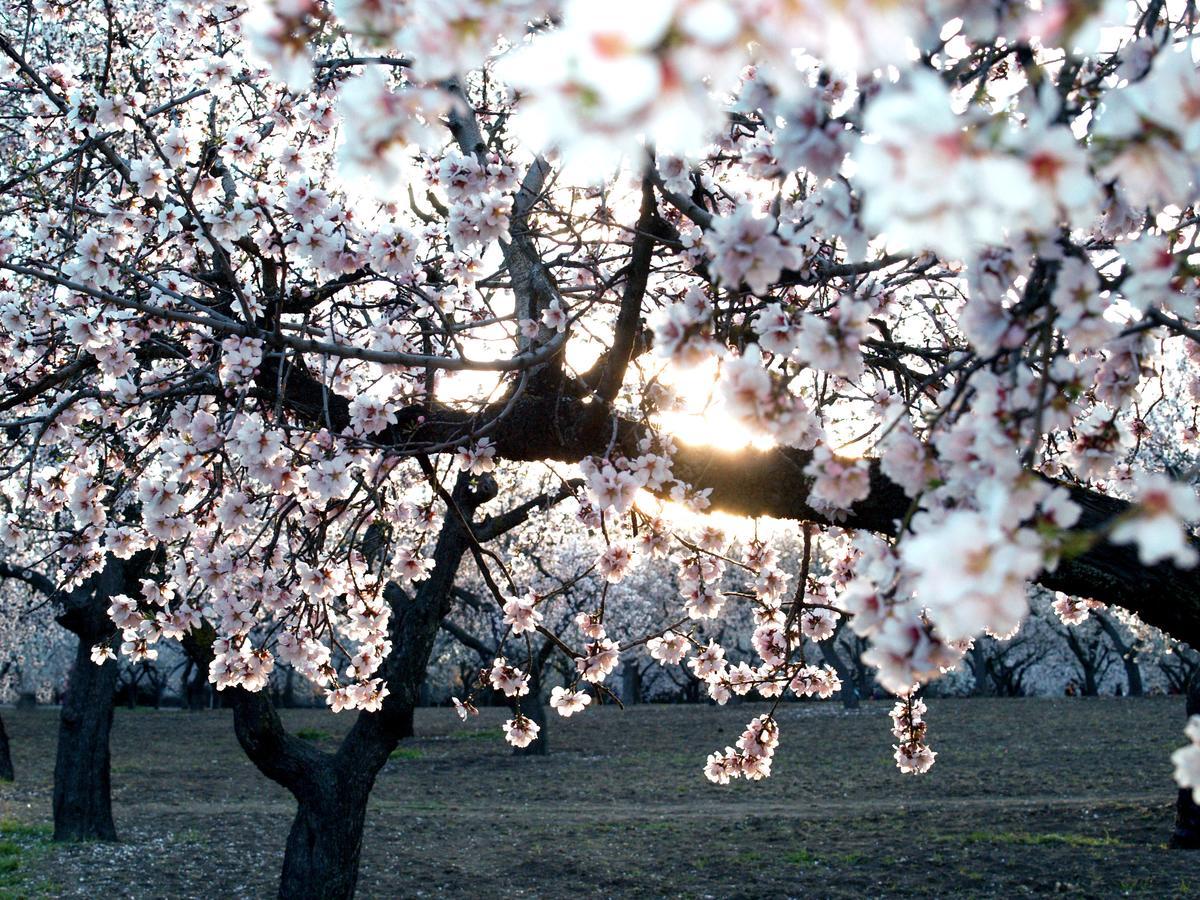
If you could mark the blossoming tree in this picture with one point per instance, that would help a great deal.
(283, 283)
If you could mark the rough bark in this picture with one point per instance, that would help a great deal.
(1186, 835)
(82, 792)
(325, 840)
(6, 765)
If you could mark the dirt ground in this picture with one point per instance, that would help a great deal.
(1028, 797)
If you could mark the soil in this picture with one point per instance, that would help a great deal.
(1028, 797)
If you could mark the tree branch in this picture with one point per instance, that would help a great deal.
(35, 580)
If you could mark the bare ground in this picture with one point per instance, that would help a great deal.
(1028, 797)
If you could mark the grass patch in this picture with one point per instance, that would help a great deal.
(658, 826)
(11, 828)
(805, 857)
(20, 843)
(313, 734)
(405, 753)
(1029, 839)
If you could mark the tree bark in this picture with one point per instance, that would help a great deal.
(977, 663)
(1086, 656)
(631, 683)
(325, 841)
(195, 687)
(82, 796)
(6, 766)
(82, 790)
(1186, 835)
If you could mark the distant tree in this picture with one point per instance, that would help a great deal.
(1008, 664)
(1126, 650)
(1093, 656)
(1179, 666)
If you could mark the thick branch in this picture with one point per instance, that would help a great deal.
(494, 526)
(772, 483)
(36, 580)
(625, 333)
(468, 640)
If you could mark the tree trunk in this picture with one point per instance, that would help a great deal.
(631, 683)
(977, 662)
(1187, 813)
(849, 693)
(1085, 654)
(1090, 688)
(6, 766)
(1133, 674)
(196, 688)
(325, 842)
(82, 802)
(1128, 654)
(331, 789)
(289, 689)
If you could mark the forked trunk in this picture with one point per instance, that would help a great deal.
(324, 845)
(82, 802)
(6, 766)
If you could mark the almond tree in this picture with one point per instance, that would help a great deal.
(278, 277)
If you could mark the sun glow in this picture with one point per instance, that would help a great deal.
(700, 416)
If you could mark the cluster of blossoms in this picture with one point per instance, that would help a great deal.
(286, 310)
(683, 330)
(480, 200)
(750, 758)
(758, 396)
(932, 179)
(1073, 610)
(913, 755)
